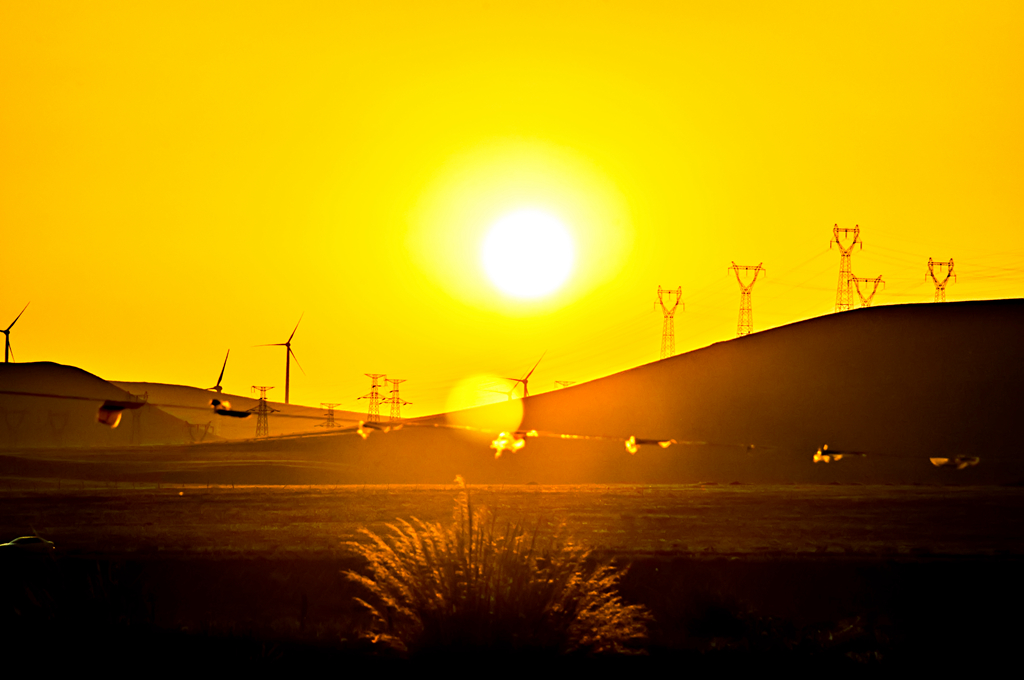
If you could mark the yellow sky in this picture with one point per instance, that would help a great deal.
(177, 179)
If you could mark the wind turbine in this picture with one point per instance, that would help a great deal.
(525, 379)
(288, 356)
(217, 388)
(508, 394)
(8, 352)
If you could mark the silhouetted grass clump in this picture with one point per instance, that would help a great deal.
(475, 587)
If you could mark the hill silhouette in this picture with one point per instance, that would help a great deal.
(899, 384)
(64, 415)
(192, 404)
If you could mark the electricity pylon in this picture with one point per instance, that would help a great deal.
(844, 292)
(262, 410)
(940, 286)
(564, 383)
(136, 435)
(746, 322)
(329, 414)
(395, 400)
(373, 412)
(668, 326)
(865, 301)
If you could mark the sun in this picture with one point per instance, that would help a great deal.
(528, 253)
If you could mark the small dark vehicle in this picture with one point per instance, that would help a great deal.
(32, 544)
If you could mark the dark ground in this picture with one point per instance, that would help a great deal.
(804, 577)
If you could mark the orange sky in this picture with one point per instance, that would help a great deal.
(177, 179)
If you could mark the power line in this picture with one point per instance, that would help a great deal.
(745, 326)
(865, 301)
(330, 414)
(262, 411)
(940, 286)
(395, 400)
(668, 326)
(373, 412)
(844, 291)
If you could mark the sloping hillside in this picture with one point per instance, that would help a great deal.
(900, 383)
(64, 412)
(192, 405)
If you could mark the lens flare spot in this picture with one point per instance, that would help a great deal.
(480, 403)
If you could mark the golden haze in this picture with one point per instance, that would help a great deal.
(182, 178)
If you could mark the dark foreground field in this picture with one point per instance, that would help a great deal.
(799, 576)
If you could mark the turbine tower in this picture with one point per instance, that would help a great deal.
(395, 400)
(525, 380)
(288, 356)
(373, 412)
(746, 322)
(8, 352)
(844, 292)
(865, 301)
(668, 332)
(217, 388)
(940, 286)
(262, 411)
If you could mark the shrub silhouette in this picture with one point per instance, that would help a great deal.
(475, 587)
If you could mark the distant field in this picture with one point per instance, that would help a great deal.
(688, 519)
(828, 575)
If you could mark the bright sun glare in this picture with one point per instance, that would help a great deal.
(528, 253)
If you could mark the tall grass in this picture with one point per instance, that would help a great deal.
(474, 586)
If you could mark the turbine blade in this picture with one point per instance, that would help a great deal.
(535, 366)
(296, 328)
(223, 367)
(296, 361)
(19, 315)
(273, 344)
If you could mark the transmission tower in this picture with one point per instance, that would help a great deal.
(564, 383)
(668, 326)
(844, 293)
(940, 286)
(262, 410)
(136, 435)
(373, 412)
(746, 322)
(865, 301)
(329, 414)
(395, 400)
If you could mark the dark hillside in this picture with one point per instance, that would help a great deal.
(67, 417)
(192, 405)
(902, 383)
